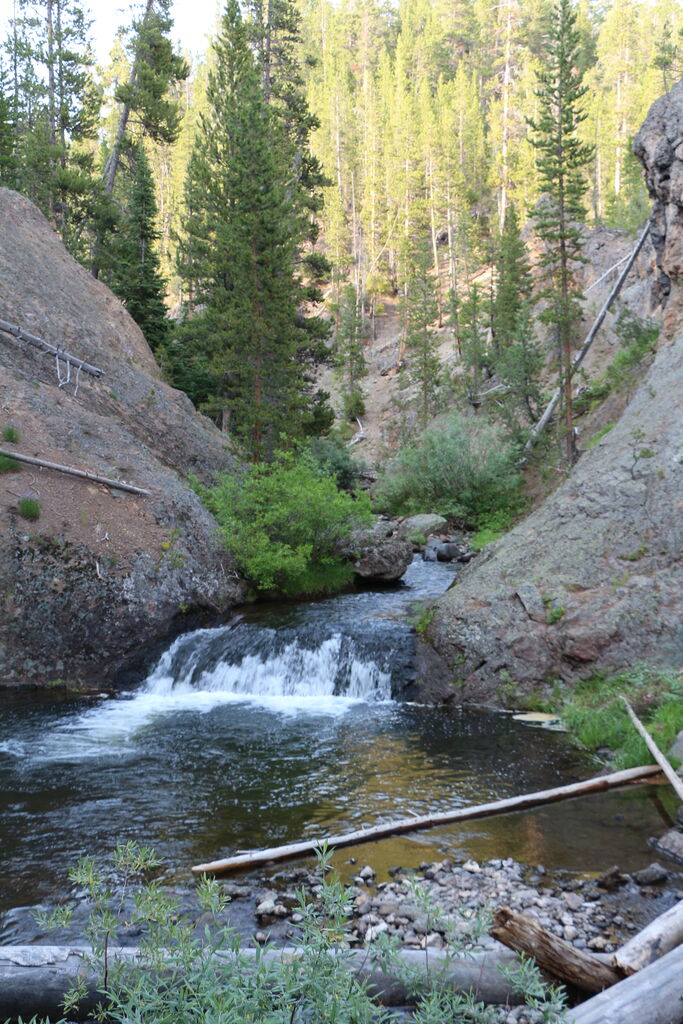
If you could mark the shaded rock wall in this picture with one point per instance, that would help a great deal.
(593, 579)
(100, 574)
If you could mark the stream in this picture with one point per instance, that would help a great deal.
(279, 727)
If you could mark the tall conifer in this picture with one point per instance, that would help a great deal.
(561, 160)
(239, 252)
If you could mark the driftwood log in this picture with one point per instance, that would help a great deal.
(51, 350)
(516, 803)
(657, 938)
(524, 934)
(84, 474)
(653, 996)
(33, 979)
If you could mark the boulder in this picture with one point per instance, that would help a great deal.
(426, 525)
(381, 555)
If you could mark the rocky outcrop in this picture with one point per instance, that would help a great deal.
(659, 147)
(101, 574)
(593, 579)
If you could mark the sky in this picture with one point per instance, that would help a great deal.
(193, 20)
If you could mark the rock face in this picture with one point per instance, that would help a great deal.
(101, 573)
(593, 580)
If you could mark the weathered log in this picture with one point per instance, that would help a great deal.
(367, 835)
(44, 464)
(659, 757)
(652, 996)
(656, 939)
(52, 350)
(33, 979)
(524, 934)
(588, 341)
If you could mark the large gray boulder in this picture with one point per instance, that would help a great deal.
(593, 579)
(381, 554)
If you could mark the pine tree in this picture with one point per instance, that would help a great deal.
(475, 357)
(561, 160)
(239, 253)
(350, 356)
(8, 165)
(135, 275)
(425, 369)
(513, 283)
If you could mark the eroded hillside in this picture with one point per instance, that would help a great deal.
(100, 573)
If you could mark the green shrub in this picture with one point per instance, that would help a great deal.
(461, 469)
(29, 508)
(11, 434)
(598, 717)
(283, 522)
(8, 464)
(180, 976)
(638, 339)
(354, 405)
(333, 458)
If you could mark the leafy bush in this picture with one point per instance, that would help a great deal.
(29, 508)
(460, 469)
(639, 339)
(334, 459)
(283, 522)
(11, 434)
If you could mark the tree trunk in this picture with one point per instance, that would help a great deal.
(524, 934)
(33, 979)
(653, 996)
(659, 937)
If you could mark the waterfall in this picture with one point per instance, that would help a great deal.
(254, 661)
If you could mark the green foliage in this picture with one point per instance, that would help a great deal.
(283, 523)
(425, 370)
(11, 435)
(246, 337)
(599, 435)
(596, 714)
(561, 159)
(333, 458)
(639, 340)
(8, 464)
(494, 525)
(29, 508)
(349, 356)
(180, 976)
(460, 468)
(134, 273)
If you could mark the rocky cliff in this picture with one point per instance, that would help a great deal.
(593, 579)
(100, 574)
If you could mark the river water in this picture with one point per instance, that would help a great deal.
(281, 727)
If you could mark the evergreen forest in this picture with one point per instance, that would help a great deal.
(255, 208)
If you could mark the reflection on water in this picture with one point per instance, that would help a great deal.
(199, 772)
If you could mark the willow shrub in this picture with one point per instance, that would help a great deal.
(283, 523)
(461, 468)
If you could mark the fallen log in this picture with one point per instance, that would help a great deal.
(652, 996)
(659, 757)
(588, 341)
(524, 934)
(52, 350)
(44, 464)
(657, 938)
(367, 835)
(33, 979)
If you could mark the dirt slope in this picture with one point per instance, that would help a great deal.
(100, 574)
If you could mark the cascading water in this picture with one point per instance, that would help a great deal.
(255, 661)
